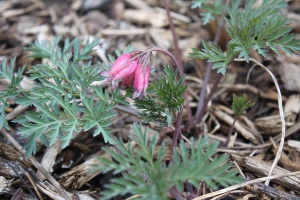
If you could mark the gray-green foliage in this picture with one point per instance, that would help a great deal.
(11, 90)
(151, 176)
(65, 101)
(260, 28)
(166, 98)
(210, 9)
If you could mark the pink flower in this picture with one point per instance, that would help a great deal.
(127, 81)
(131, 72)
(141, 80)
(123, 68)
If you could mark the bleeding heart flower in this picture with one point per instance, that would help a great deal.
(132, 72)
(141, 80)
(123, 68)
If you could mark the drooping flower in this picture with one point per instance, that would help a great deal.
(123, 68)
(141, 80)
(132, 70)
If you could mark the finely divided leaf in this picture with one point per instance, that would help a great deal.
(169, 92)
(151, 178)
(240, 104)
(259, 28)
(61, 94)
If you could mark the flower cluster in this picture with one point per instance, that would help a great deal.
(132, 72)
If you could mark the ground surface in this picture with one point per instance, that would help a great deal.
(142, 24)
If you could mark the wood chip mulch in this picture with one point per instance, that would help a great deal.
(144, 23)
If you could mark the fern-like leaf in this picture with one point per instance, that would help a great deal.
(240, 104)
(151, 178)
(61, 94)
(169, 92)
(210, 10)
(260, 28)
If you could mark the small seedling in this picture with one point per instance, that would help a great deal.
(239, 106)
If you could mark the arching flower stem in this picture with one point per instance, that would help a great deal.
(179, 115)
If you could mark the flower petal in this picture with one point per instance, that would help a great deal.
(120, 63)
(147, 76)
(139, 78)
(127, 81)
(105, 73)
(114, 84)
(127, 71)
(135, 94)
